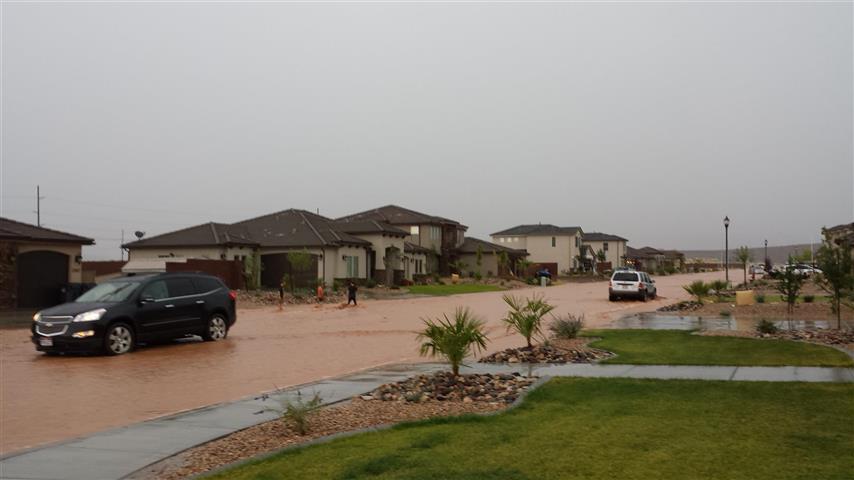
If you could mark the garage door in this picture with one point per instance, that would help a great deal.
(41, 274)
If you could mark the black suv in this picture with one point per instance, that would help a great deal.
(115, 315)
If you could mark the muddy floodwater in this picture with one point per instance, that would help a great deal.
(45, 399)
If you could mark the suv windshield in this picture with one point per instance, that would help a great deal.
(110, 292)
(625, 277)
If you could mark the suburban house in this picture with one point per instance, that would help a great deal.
(338, 250)
(38, 265)
(439, 236)
(486, 259)
(612, 246)
(548, 246)
(651, 259)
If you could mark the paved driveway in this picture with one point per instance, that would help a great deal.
(45, 399)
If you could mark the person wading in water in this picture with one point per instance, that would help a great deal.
(351, 293)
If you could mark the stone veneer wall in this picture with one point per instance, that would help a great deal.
(8, 275)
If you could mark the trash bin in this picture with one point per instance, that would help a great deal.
(544, 281)
(455, 278)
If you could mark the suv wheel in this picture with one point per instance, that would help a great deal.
(217, 328)
(119, 339)
(644, 296)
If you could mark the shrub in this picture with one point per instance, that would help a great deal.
(370, 283)
(297, 412)
(698, 289)
(760, 298)
(567, 326)
(526, 316)
(453, 339)
(766, 327)
(809, 298)
(478, 276)
(725, 313)
(719, 287)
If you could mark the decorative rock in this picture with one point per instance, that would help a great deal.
(444, 387)
(546, 354)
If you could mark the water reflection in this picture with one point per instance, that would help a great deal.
(657, 321)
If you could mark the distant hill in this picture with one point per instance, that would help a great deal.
(778, 254)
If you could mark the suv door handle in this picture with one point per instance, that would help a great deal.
(169, 306)
(200, 302)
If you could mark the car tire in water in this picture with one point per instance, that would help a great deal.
(644, 296)
(118, 339)
(216, 328)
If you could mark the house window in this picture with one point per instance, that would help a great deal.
(501, 239)
(413, 230)
(554, 242)
(516, 239)
(419, 266)
(352, 267)
(576, 241)
(605, 246)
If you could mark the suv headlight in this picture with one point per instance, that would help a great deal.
(90, 316)
(37, 316)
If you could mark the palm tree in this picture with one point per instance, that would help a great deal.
(743, 255)
(698, 289)
(526, 316)
(522, 267)
(718, 286)
(453, 339)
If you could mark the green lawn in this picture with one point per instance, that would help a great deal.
(603, 429)
(675, 347)
(441, 290)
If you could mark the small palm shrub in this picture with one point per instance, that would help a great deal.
(765, 326)
(454, 338)
(719, 287)
(809, 298)
(567, 326)
(698, 289)
(526, 315)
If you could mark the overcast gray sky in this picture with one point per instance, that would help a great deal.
(648, 120)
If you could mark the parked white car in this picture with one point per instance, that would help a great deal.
(633, 284)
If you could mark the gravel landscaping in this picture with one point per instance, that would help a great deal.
(834, 337)
(557, 351)
(274, 435)
(445, 387)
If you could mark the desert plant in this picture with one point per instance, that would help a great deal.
(522, 267)
(252, 271)
(458, 266)
(453, 339)
(760, 298)
(526, 315)
(477, 276)
(503, 262)
(837, 277)
(766, 326)
(789, 286)
(698, 289)
(808, 298)
(601, 256)
(725, 313)
(743, 255)
(297, 412)
(719, 287)
(478, 257)
(567, 326)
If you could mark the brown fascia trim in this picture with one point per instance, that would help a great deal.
(87, 241)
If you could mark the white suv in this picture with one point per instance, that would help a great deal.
(629, 283)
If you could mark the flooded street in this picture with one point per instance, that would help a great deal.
(45, 399)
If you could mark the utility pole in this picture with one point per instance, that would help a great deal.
(38, 206)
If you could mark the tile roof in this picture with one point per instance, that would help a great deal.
(20, 231)
(470, 245)
(370, 226)
(206, 234)
(396, 215)
(540, 229)
(413, 248)
(286, 229)
(602, 237)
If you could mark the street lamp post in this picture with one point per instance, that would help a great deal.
(726, 247)
(766, 254)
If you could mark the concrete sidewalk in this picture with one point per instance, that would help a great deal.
(115, 454)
